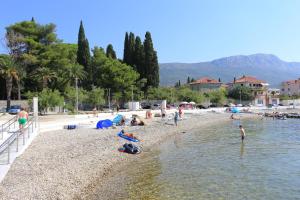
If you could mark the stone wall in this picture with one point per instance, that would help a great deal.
(23, 103)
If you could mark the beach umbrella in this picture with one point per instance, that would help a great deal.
(104, 124)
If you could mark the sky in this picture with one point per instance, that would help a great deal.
(182, 30)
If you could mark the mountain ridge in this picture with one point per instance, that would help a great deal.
(267, 67)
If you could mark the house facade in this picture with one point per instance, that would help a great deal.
(291, 87)
(258, 88)
(273, 96)
(205, 84)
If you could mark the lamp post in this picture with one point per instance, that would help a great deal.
(76, 85)
(131, 93)
(240, 96)
(108, 97)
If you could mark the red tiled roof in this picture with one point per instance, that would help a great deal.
(205, 80)
(292, 81)
(249, 79)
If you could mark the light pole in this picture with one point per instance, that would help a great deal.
(132, 93)
(76, 85)
(108, 97)
(240, 96)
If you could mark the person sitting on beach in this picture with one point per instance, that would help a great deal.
(242, 131)
(134, 122)
(22, 118)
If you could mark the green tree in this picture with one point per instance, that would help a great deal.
(188, 80)
(44, 75)
(151, 63)
(8, 70)
(184, 93)
(96, 97)
(47, 99)
(131, 46)
(242, 92)
(139, 58)
(26, 41)
(218, 96)
(70, 97)
(83, 55)
(110, 52)
(126, 49)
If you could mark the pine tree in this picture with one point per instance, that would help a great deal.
(151, 67)
(110, 52)
(219, 80)
(139, 57)
(192, 80)
(126, 49)
(179, 84)
(32, 19)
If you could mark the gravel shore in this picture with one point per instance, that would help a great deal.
(68, 164)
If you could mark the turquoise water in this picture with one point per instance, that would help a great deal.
(212, 163)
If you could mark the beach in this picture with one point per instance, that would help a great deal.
(68, 164)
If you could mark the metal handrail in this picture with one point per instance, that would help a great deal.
(8, 124)
(15, 136)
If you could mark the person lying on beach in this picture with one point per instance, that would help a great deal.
(129, 135)
(242, 131)
(134, 122)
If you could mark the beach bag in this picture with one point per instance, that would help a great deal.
(131, 148)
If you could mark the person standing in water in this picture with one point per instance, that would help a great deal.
(22, 118)
(176, 118)
(242, 131)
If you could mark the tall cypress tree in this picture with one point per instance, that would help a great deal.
(151, 63)
(138, 58)
(131, 47)
(110, 52)
(188, 80)
(126, 49)
(83, 54)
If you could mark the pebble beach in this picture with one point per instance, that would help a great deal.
(68, 164)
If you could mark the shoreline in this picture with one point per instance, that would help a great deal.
(69, 164)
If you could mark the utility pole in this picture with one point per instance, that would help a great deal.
(240, 96)
(76, 85)
(109, 98)
(132, 93)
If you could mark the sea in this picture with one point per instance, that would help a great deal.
(212, 163)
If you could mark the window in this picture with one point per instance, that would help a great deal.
(289, 89)
(282, 89)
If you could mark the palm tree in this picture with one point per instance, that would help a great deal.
(74, 71)
(9, 71)
(44, 75)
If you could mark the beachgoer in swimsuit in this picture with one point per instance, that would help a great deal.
(242, 131)
(22, 118)
(176, 118)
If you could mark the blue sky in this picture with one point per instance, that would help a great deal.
(182, 30)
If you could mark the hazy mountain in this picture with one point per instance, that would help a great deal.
(263, 66)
